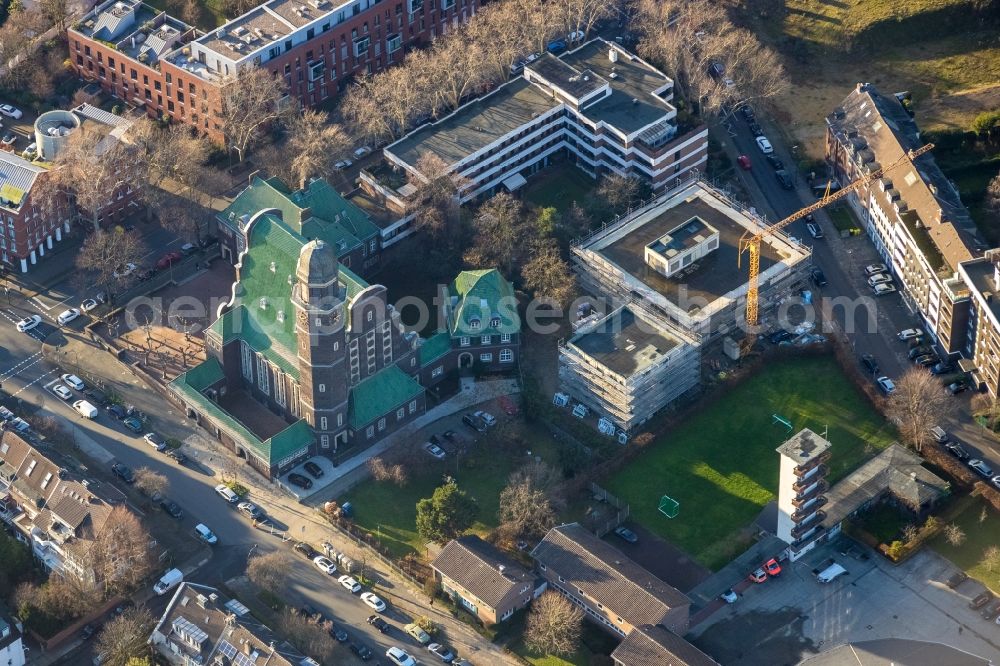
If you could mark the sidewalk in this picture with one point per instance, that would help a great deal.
(303, 523)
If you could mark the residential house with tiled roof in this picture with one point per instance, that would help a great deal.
(655, 646)
(615, 591)
(484, 581)
(50, 507)
(202, 626)
(316, 212)
(305, 357)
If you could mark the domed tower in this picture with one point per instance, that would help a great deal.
(318, 299)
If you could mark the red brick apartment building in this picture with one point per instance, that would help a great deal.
(150, 59)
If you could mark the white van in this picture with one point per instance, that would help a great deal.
(85, 409)
(168, 581)
(831, 572)
(939, 434)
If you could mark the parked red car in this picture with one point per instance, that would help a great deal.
(772, 567)
(168, 259)
(744, 162)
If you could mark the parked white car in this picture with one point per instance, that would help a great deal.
(879, 278)
(88, 304)
(62, 392)
(399, 657)
(10, 111)
(29, 323)
(487, 418)
(205, 534)
(74, 382)
(325, 565)
(67, 316)
(350, 584)
(435, 450)
(886, 384)
(764, 145)
(123, 271)
(156, 441)
(226, 493)
(883, 289)
(372, 600)
(85, 409)
(872, 269)
(909, 334)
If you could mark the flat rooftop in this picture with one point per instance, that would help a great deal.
(624, 343)
(476, 124)
(575, 82)
(804, 446)
(688, 235)
(705, 281)
(632, 104)
(980, 272)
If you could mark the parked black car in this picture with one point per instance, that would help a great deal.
(300, 481)
(117, 411)
(171, 508)
(917, 352)
(474, 422)
(338, 633)
(818, 277)
(785, 179)
(176, 455)
(306, 551)
(776, 163)
(123, 472)
(943, 368)
(378, 623)
(315, 471)
(780, 336)
(363, 651)
(957, 450)
(869, 363)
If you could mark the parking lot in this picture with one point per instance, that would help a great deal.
(792, 616)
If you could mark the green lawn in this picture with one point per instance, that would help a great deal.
(979, 537)
(721, 464)
(390, 511)
(211, 13)
(842, 218)
(558, 186)
(884, 522)
(594, 642)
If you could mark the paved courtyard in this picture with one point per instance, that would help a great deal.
(793, 616)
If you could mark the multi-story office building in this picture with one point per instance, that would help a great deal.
(913, 215)
(629, 365)
(679, 255)
(605, 108)
(152, 60)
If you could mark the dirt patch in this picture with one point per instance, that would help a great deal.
(953, 111)
(775, 637)
(164, 349)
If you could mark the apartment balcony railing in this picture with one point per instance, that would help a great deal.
(820, 488)
(805, 512)
(803, 484)
(808, 538)
(808, 524)
(818, 460)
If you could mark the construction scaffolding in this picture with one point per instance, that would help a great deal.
(628, 365)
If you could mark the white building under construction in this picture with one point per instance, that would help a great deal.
(628, 365)
(678, 256)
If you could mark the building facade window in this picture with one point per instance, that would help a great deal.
(505, 337)
(263, 377)
(486, 339)
(381, 424)
(322, 423)
(400, 414)
(370, 432)
(506, 356)
(486, 358)
(413, 406)
(464, 341)
(247, 361)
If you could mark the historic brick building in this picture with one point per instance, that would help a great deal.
(150, 59)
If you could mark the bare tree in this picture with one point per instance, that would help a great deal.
(991, 558)
(55, 12)
(125, 637)
(498, 25)
(151, 483)
(119, 554)
(580, 16)
(383, 471)
(312, 638)
(620, 192)
(502, 234)
(993, 196)
(252, 101)
(538, 22)
(553, 626)
(270, 571)
(105, 252)
(173, 155)
(954, 535)
(526, 507)
(547, 275)
(916, 406)
(435, 201)
(314, 145)
(17, 42)
(459, 65)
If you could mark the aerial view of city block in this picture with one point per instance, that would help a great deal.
(500, 332)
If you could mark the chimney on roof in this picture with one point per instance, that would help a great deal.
(248, 648)
(860, 87)
(501, 568)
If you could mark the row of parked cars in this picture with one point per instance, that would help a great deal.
(396, 655)
(978, 465)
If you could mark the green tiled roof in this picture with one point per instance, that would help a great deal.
(435, 347)
(203, 375)
(379, 395)
(191, 384)
(271, 243)
(330, 216)
(482, 295)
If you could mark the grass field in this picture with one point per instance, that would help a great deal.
(940, 50)
(979, 537)
(558, 187)
(721, 464)
(391, 512)
(884, 522)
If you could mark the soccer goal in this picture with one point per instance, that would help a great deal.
(669, 507)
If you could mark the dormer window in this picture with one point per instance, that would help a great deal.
(495, 322)
(281, 315)
(474, 323)
(263, 303)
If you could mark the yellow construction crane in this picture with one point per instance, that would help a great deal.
(750, 242)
